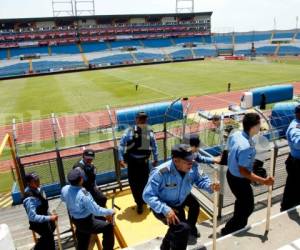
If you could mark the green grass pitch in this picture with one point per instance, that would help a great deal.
(32, 98)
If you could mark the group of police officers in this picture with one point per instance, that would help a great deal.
(167, 190)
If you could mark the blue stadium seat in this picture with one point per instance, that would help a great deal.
(14, 70)
(222, 39)
(193, 39)
(245, 52)
(45, 66)
(157, 43)
(247, 38)
(65, 49)
(283, 35)
(182, 54)
(266, 50)
(115, 59)
(2, 54)
(288, 50)
(206, 39)
(149, 56)
(16, 52)
(93, 47)
(262, 36)
(124, 43)
(205, 52)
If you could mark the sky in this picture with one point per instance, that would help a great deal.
(228, 15)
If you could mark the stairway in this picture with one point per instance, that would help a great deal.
(49, 51)
(277, 50)
(83, 56)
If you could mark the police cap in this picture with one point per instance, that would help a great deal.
(141, 114)
(74, 176)
(192, 139)
(31, 176)
(183, 151)
(89, 154)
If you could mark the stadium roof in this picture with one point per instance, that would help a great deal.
(103, 17)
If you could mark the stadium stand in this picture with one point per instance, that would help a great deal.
(3, 54)
(16, 52)
(278, 35)
(93, 47)
(157, 43)
(193, 39)
(288, 50)
(222, 38)
(65, 49)
(117, 40)
(266, 50)
(14, 68)
(125, 43)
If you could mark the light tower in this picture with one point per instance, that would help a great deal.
(185, 6)
(62, 8)
(84, 7)
(73, 7)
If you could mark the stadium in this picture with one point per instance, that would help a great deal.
(77, 80)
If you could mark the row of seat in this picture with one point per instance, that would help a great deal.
(150, 43)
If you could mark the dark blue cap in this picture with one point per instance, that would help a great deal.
(192, 139)
(297, 109)
(31, 176)
(89, 153)
(141, 114)
(74, 175)
(183, 151)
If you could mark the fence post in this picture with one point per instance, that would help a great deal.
(165, 127)
(18, 165)
(115, 149)
(59, 162)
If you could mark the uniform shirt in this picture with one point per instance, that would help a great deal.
(31, 204)
(80, 203)
(293, 137)
(166, 188)
(89, 168)
(203, 159)
(127, 136)
(241, 153)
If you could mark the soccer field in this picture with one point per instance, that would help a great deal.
(93, 90)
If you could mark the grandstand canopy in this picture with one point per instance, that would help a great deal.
(105, 17)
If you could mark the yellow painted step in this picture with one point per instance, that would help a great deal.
(137, 228)
(5, 200)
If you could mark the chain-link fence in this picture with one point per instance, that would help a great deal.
(54, 164)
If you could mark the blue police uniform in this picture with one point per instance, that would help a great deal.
(241, 154)
(89, 178)
(36, 206)
(168, 189)
(83, 209)
(203, 159)
(135, 148)
(291, 195)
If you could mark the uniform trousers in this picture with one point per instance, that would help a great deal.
(138, 173)
(244, 203)
(90, 225)
(291, 194)
(177, 235)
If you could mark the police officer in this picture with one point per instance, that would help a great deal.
(40, 220)
(291, 195)
(194, 141)
(135, 149)
(89, 177)
(240, 172)
(168, 192)
(83, 209)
